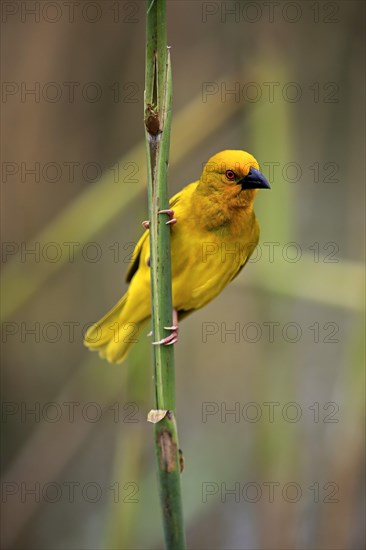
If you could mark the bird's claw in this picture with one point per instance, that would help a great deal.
(168, 340)
(173, 337)
(172, 220)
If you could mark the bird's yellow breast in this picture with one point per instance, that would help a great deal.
(205, 257)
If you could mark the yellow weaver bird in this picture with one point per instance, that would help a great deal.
(215, 234)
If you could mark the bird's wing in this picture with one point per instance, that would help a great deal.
(137, 251)
(133, 267)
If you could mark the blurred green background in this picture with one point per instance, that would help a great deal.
(270, 383)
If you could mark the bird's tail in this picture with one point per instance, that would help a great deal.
(113, 335)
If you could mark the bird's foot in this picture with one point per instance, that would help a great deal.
(173, 337)
(172, 220)
(168, 340)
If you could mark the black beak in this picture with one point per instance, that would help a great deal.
(254, 180)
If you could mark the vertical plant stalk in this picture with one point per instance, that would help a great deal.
(158, 97)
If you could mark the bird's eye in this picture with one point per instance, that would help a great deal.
(230, 175)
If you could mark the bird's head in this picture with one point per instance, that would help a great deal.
(233, 176)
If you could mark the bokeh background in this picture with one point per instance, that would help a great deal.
(283, 469)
